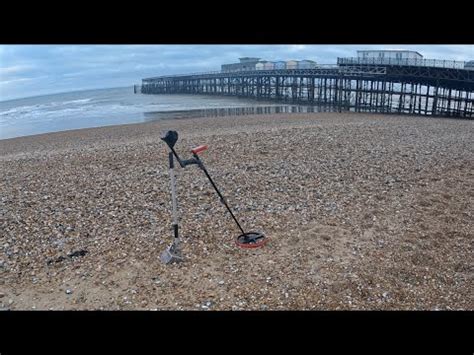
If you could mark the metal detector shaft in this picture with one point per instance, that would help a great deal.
(172, 253)
(201, 165)
(173, 196)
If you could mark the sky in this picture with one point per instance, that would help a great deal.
(32, 70)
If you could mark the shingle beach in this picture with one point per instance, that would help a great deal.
(361, 211)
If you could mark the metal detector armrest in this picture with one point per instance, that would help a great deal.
(199, 149)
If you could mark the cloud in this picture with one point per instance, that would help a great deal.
(296, 48)
(70, 67)
(15, 69)
(73, 74)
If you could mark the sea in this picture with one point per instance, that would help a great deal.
(104, 107)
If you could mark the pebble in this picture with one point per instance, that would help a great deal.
(206, 305)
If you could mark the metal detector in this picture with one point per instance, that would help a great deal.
(172, 254)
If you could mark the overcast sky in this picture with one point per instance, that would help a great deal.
(30, 70)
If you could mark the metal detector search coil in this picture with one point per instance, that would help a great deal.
(251, 240)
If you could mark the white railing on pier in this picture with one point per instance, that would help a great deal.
(247, 71)
(437, 63)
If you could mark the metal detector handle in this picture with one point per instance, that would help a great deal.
(199, 149)
(183, 163)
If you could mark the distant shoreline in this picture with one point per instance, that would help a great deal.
(213, 113)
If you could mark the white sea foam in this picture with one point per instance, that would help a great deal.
(77, 101)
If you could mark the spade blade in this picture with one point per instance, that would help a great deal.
(170, 255)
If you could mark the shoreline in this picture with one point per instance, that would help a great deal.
(137, 127)
(151, 121)
(362, 211)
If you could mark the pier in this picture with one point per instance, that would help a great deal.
(416, 87)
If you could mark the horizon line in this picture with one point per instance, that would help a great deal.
(64, 92)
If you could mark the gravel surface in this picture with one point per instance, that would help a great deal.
(362, 212)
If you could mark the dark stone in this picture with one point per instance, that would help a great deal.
(57, 260)
(81, 252)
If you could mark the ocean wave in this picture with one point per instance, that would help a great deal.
(18, 111)
(55, 105)
(77, 101)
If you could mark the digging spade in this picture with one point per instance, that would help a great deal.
(172, 253)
